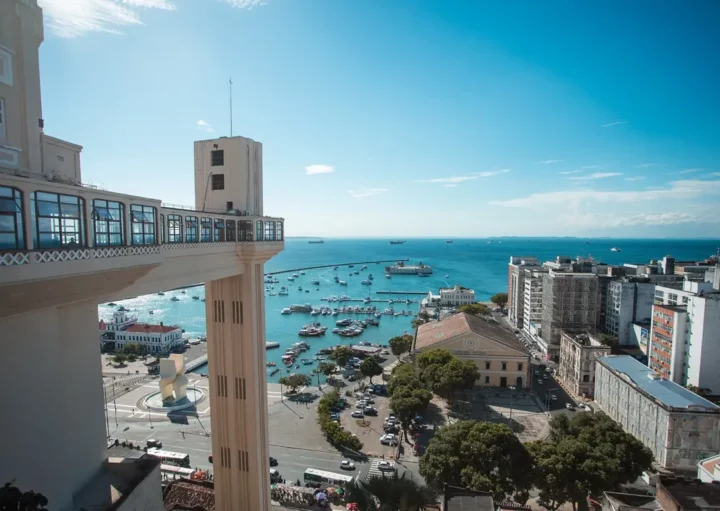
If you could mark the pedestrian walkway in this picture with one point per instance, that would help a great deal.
(375, 470)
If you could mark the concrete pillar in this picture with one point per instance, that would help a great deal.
(238, 390)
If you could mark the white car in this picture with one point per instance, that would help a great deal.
(553, 397)
(388, 439)
(347, 465)
(360, 405)
(569, 406)
(540, 382)
(390, 418)
(385, 466)
(357, 414)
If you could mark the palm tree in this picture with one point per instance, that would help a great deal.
(389, 493)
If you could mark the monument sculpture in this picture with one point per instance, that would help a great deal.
(173, 382)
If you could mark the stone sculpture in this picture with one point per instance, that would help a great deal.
(173, 382)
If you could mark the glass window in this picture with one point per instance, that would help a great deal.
(2, 117)
(259, 230)
(108, 218)
(504, 366)
(206, 229)
(174, 229)
(279, 231)
(12, 236)
(218, 181)
(245, 231)
(143, 224)
(59, 220)
(191, 229)
(217, 158)
(219, 230)
(230, 230)
(269, 231)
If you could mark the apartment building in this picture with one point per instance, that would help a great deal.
(516, 288)
(532, 300)
(678, 426)
(65, 248)
(570, 302)
(578, 354)
(685, 335)
(628, 300)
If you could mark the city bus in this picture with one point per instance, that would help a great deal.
(179, 459)
(173, 472)
(314, 475)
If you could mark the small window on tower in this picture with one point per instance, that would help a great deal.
(217, 158)
(218, 181)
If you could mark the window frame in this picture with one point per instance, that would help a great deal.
(14, 196)
(220, 185)
(191, 229)
(108, 221)
(245, 230)
(259, 229)
(206, 229)
(279, 231)
(269, 230)
(148, 231)
(60, 221)
(218, 229)
(174, 228)
(230, 230)
(221, 154)
(6, 76)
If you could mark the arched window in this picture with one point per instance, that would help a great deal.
(174, 227)
(143, 224)
(59, 220)
(230, 230)
(108, 219)
(270, 231)
(206, 229)
(245, 232)
(219, 230)
(259, 230)
(191, 229)
(12, 235)
(279, 235)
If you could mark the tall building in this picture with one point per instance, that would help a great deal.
(532, 300)
(578, 353)
(678, 426)
(65, 248)
(685, 335)
(570, 302)
(628, 300)
(516, 287)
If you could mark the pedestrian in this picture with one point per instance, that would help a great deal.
(183, 434)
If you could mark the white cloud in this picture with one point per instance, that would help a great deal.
(616, 123)
(204, 126)
(366, 192)
(686, 189)
(612, 220)
(715, 174)
(453, 185)
(459, 179)
(312, 170)
(550, 161)
(688, 171)
(489, 173)
(589, 167)
(636, 178)
(596, 175)
(246, 4)
(568, 172)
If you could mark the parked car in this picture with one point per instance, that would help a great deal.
(357, 414)
(347, 465)
(385, 466)
(553, 397)
(540, 382)
(369, 410)
(545, 376)
(360, 405)
(391, 429)
(569, 406)
(537, 373)
(390, 418)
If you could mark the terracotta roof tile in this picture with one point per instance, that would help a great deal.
(188, 494)
(140, 328)
(463, 323)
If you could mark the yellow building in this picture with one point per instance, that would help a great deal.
(501, 359)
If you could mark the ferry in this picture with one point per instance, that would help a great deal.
(286, 310)
(401, 269)
(397, 242)
(269, 345)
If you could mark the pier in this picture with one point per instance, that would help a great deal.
(333, 265)
(424, 293)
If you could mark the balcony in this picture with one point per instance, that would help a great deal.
(51, 231)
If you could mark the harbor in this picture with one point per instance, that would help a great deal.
(335, 265)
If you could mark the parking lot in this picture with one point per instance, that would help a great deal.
(369, 426)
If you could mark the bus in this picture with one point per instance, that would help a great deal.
(179, 459)
(173, 472)
(314, 475)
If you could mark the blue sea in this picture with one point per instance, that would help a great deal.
(475, 263)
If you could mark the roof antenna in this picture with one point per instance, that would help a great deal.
(231, 115)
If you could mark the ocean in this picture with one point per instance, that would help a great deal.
(473, 263)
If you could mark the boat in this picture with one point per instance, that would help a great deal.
(184, 291)
(112, 304)
(448, 241)
(307, 361)
(195, 297)
(314, 312)
(283, 292)
(387, 276)
(291, 279)
(203, 299)
(356, 272)
(174, 299)
(335, 267)
(366, 282)
(286, 310)
(397, 242)
(370, 277)
(151, 312)
(315, 282)
(295, 275)
(343, 322)
(307, 290)
(299, 288)
(271, 364)
(447, 275)
(351, 266)
(271, 345)
(615, 249)
(342, 283)
(313, 242)
(274, 371)
(272, 293)
(302, 273)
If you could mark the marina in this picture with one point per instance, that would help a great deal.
(335, 266)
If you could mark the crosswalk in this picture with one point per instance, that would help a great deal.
(375, 470)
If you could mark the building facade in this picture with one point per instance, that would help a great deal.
(65, 248)
(578, 354)
(516, 287)
(570, 302)
(668, 341)
(499, 356)
(123, 329)
(628, 300)
(532, 300)
(678, 426)
(456, 296)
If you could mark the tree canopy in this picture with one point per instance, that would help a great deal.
(13, 499)
(483, 456)
(334, 432)
(370, 367)
(475, 309)
(341, 355)
(499, 299)
(295, 381)
(401, 344)
(390, 493)
(408, 401)
(326, 369)
(445, 374)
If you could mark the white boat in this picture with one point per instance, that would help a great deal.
(387, 276)
(366, 282)
(295, 275)
(270, 345)
(447, 275)
(342, 283)
(615, 249)
(315, 282)
(291, 279)
(286, 310)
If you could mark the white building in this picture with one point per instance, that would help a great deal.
(678, 426)
(628, 300)
(532, 300)
(456, 296)
(154, 338)
(694, 360)
(516, 287)
(709, 469)
(578, 353)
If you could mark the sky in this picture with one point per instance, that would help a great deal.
(405, 118)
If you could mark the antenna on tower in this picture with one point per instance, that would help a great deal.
(231, 115)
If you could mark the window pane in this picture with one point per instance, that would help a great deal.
(101, 213)
(9, 205)
(7, 223)
(6, 191)
(49, 240)
(42, 196)
(69, 199)
(48, 208)
(7, 240)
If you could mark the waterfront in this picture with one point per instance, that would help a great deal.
(474, 263)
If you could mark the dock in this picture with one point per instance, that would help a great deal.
(424, 293)
(295, 270)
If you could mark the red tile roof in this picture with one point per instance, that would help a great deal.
(462, 323)
(140, 328)
(188, 494)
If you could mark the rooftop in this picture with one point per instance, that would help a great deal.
(668, 393)
(624, 501)
(463, 323)
(709, 464)
(187, 494)
(139, 328)
(463, 499)
(671, 308)
(691, 495)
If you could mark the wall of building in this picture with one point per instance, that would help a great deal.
(61, 158)
(146, 496)
(703, 353)
(55, 434)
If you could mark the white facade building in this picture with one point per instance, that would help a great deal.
(516, 287)
(678, 426)
(532, 300)
(628, 301)
(456, 296)
(154, 338)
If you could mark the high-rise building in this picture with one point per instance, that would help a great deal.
(628, 300)
(578, 353)
(516, 287)
(570, 302)
(533, 300)
(65, 248)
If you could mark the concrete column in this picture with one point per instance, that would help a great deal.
(238, 390)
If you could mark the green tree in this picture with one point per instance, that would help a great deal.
(476, 309)
(119, 359)
(432, 357)
(447, 379)
(500, 299)
(390, 493)
(369, 368)
(483, 456)
(133, 348)
(13, 499)
(335, 434)
(295, 381)
(401, 344)
(326, 369)
(341, 355)
(408, 401)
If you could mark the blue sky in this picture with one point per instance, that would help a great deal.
(405, 117)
